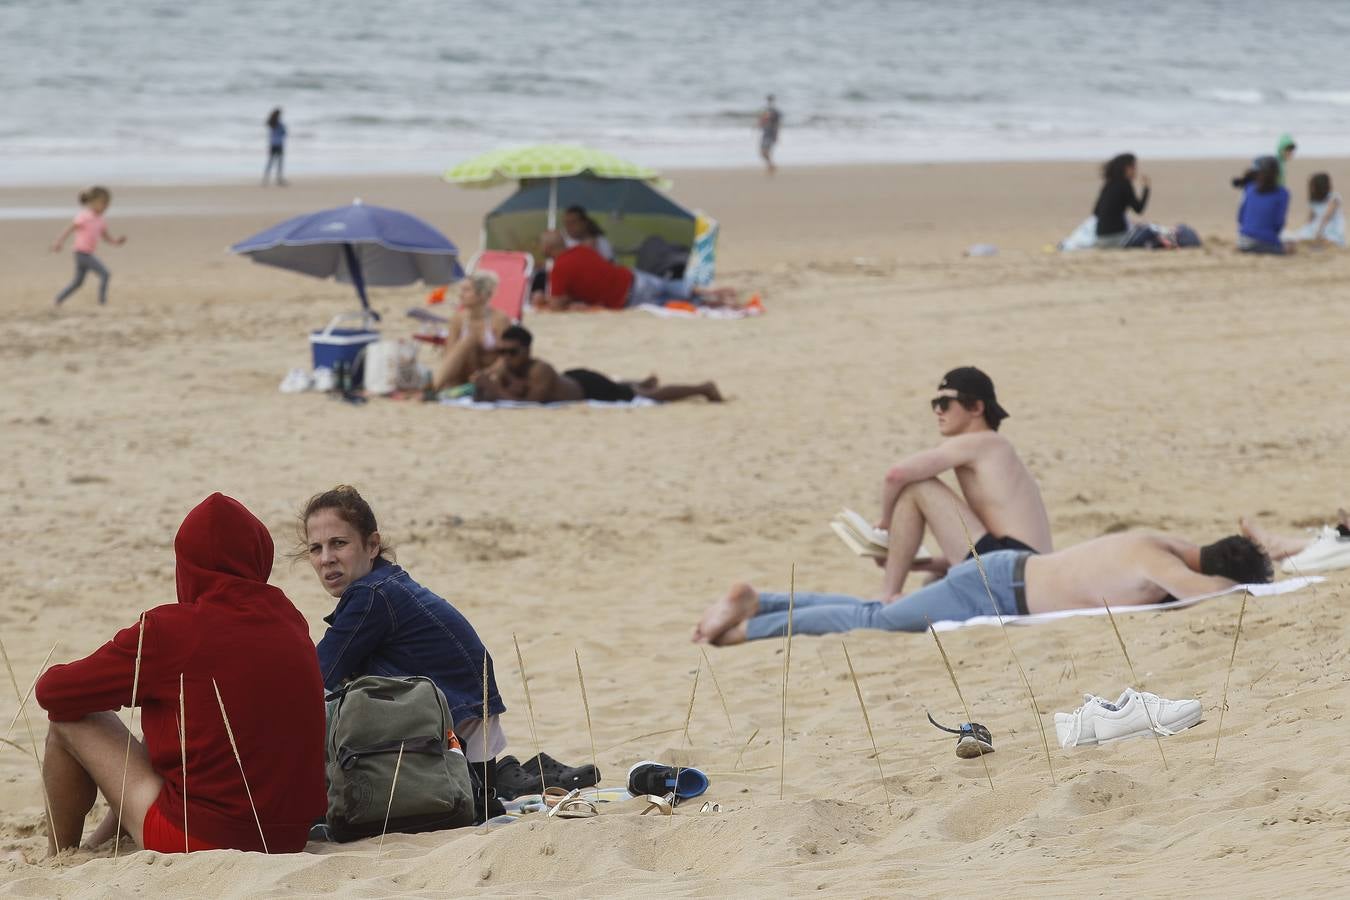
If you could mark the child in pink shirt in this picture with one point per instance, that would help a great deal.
(88, 227)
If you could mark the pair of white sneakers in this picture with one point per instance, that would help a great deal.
(1329, 550)
(1133, 714)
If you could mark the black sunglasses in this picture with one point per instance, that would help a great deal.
(944, 403)
(511, 351)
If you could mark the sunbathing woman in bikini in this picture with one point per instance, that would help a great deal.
(475, 331)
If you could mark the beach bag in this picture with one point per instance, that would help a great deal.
(1186, 236)
(368, 721)
(391, 365)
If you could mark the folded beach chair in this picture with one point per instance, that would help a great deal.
(513, 290)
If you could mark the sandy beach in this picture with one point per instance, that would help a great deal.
(1168, 390)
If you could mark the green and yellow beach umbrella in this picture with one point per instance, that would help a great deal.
(546, 162)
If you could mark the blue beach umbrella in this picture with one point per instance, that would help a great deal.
(359, 245)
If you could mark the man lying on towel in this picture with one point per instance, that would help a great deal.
(518, 376)
(999, 506)
(232, 645)
(1130, 569)
(582, 278)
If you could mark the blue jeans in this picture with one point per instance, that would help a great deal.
(959, 596)
(84, 264)
(649, 288)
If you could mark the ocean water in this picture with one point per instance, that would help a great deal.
(161, 91)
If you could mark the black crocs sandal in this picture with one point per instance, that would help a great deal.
(557, 774)
(974, 739)
(514, 780)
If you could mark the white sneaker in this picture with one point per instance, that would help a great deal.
(1329, 550)
(325, 379)
(1133, 714)
(296, 381)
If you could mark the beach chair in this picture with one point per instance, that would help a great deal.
(513, 271)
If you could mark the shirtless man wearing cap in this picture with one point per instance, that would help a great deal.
(999, 507)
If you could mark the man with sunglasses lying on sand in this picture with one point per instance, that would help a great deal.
(1128, 569)
(518, 376)
(999, 507)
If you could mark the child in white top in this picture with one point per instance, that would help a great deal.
(1326, 214)
(88, 226)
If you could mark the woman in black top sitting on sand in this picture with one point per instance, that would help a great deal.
(1116, 197)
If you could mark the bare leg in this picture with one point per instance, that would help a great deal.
(457, 363)
(85, 757)
(104, 832)
(1277, 546)
(740, 603)
(926, 504)
(669, 393)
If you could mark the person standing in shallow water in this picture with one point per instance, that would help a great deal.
(276, 147)
(769, 120)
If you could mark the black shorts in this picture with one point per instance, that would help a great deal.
(595, 386)
(991, 544)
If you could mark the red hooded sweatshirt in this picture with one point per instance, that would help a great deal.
(231, 626)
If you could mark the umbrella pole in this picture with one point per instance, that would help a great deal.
(552, 204)
(358, 280)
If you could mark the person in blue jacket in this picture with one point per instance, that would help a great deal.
(387, 624)
(1265, 206)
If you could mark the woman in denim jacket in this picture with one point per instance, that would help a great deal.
(387, 624)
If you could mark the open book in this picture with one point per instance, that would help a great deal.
(862, 538)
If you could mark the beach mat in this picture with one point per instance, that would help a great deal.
(470, 403)
(1257, 590)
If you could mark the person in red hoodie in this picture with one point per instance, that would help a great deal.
(229, 631)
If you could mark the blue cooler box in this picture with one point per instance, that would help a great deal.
(336, 344)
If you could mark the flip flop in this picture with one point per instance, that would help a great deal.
(648, 777)
(663, 804)
(974, 739)
(571, 806)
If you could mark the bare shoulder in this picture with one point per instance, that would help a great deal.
(980, 444)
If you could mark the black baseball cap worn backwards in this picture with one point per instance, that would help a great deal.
(972, 382)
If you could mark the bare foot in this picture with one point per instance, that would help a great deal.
(740, 603)
(711, 392)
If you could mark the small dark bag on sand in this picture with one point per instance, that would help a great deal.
(368, 722)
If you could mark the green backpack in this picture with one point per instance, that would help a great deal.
(368, 721)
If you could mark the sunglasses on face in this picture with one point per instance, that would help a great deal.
(942, 404)
(511, 351)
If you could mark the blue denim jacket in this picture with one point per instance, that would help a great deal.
(387, 624)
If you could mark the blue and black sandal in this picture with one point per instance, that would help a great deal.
(973, 739)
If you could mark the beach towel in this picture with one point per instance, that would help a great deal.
(679, 310)
(1256, 590)
(470, 403)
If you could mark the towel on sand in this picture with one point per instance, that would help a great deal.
(689, 311)
(470, 403)
(1256, 590)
